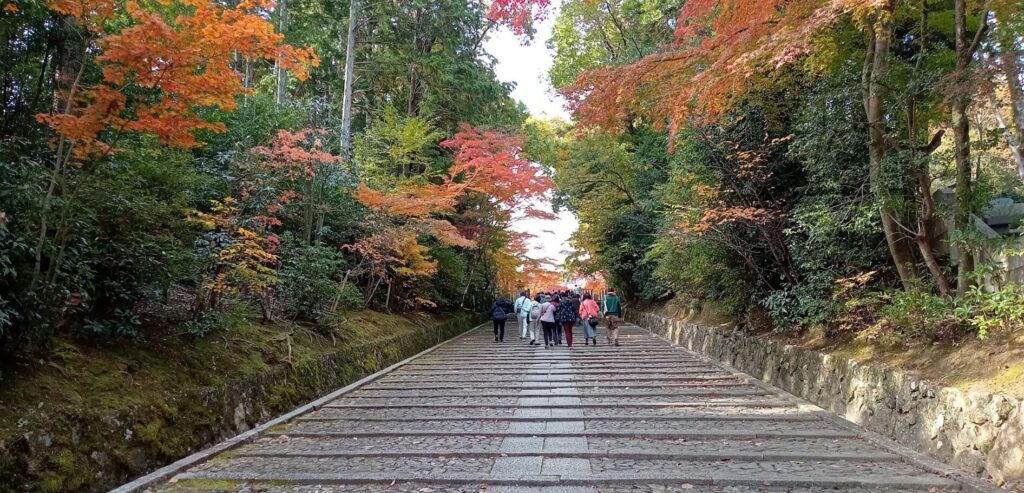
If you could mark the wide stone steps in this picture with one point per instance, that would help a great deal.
(543, 470)
(771, 448)
(206, 486)
(476, 416)
(582, 391)
(624, 412)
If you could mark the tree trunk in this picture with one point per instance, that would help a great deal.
(307, 213)
(965, 48)
(1012, 139)
(1011, 68)
(876, 64)
(280, 74)
(350, 60)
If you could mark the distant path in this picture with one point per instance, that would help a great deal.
(644, 417)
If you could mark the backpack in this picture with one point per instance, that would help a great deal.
(535, 311)
(498, 313)
(519, 304)
(565, 313)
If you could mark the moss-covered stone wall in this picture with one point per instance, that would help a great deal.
(84, 449)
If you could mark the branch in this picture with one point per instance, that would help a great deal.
(934, 143)
(976, 42)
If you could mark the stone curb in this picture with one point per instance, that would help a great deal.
(169, 470)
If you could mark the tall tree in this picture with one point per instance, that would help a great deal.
(966, 47)
(350, 63)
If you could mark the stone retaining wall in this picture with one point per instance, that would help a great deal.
(979, 432)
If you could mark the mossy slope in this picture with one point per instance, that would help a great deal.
(89, 418)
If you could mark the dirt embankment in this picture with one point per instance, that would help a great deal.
(994, 365)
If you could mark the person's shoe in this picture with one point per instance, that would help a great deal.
(586, 342)
(533, 341)
(616, 343)
(495, 338)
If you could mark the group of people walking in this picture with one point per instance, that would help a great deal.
(554, 315)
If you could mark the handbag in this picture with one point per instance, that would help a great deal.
(593, 321)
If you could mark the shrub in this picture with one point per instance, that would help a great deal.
(312, 280)
(918, 312)
(988, 312)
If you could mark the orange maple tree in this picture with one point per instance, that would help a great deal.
(492, 163)
(720, 48)
(171, 60)
(178, 55)
(488, 164)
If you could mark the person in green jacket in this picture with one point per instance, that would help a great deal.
(612, 309)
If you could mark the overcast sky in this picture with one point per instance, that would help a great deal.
(527, 66)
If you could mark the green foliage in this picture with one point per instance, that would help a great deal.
(148, 237)
(917, 312)
(701, 272)
(205, 323)
(395, 147)
(312, 280)
(991, 312)
(590, 34)
(452, 275)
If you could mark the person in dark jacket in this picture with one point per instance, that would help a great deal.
(501, 309)
(566, 316)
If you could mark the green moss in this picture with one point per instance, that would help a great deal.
(51, 482)
(1009, 376)
(150, 432)
(370, 363)
(64, 461)
(253, 364)
(204, 485)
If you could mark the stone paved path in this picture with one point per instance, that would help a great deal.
(645, 417)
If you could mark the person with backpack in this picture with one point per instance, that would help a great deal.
(534, 319)
(522, 308)
(612, 314)
(566, 316)
(547, 320)
(589, 313)
(500, 311)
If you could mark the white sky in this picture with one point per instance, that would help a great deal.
(527, 66)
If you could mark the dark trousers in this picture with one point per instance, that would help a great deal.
(558, 333)
(549, 332)
(499, 330)
(567, 330)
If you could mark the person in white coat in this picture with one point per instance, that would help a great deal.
(522, 306)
